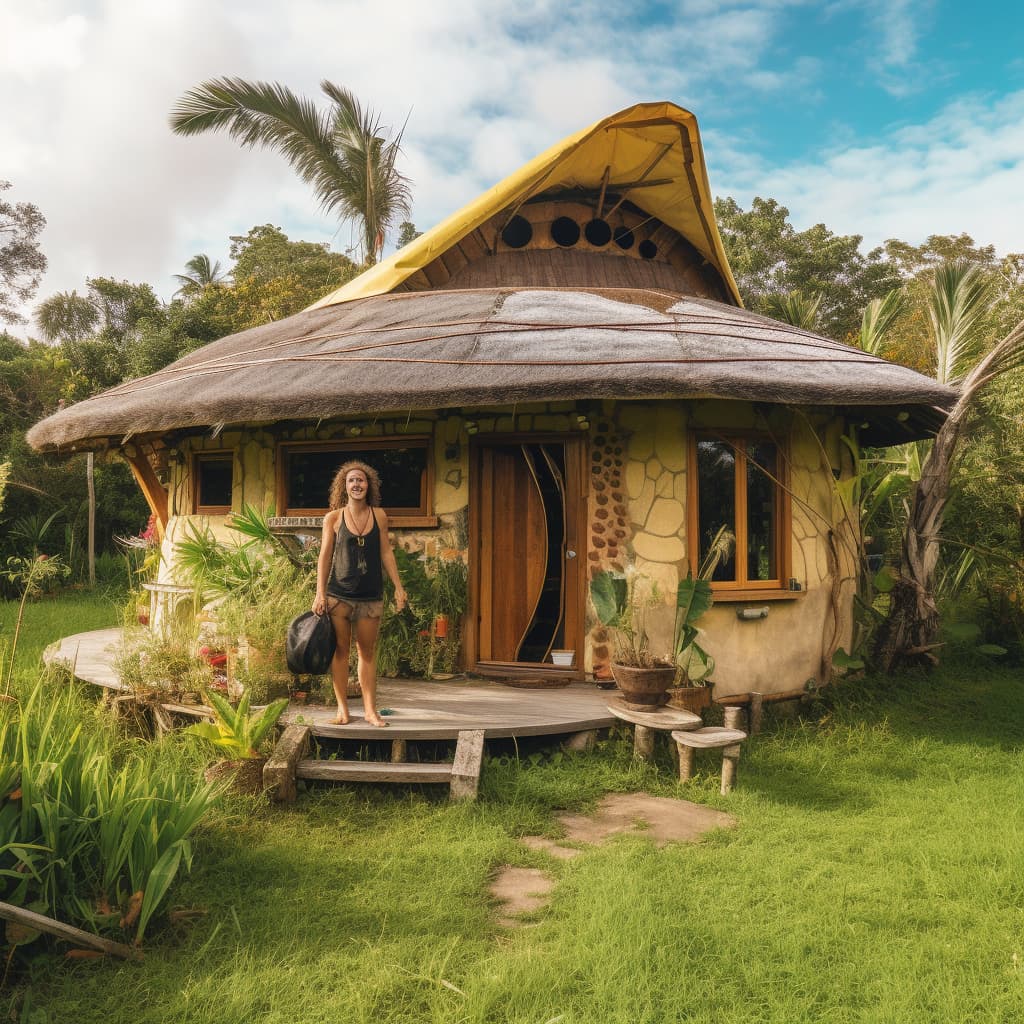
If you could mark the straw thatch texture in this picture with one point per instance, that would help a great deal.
(443, 349)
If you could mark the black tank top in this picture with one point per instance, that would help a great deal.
(356, 569)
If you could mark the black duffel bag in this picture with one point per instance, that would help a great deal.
(310, 644)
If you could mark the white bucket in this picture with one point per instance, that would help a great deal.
(563, 659)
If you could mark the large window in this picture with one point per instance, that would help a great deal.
(736, 496)
(404, 466)
(212, 474)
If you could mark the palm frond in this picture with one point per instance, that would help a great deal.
(793, 308)
(956, 305)
(878, 318)
(264, 114)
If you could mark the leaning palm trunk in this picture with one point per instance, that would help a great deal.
(910, 631)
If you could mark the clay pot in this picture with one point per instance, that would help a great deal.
(644, 686)
(690, 698)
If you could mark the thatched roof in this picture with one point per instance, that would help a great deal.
(486, 346)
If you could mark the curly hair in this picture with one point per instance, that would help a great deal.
(339, 496)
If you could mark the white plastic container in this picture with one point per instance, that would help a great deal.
(563, 659)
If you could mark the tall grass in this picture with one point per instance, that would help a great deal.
(94, 827)
(874, 875)
(94, 830)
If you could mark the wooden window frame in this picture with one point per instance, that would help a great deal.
(212, 455)
(421, 516)
(742, 589)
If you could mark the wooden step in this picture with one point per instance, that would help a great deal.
(372, 771)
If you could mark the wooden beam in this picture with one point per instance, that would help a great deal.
(152, 490)
(279, 771)
(41, 923)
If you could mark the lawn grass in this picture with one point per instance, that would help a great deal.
(876, 874)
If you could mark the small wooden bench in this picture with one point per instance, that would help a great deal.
(648, 724)
(727, 739)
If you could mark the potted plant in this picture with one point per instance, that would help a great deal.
(694, 665)
(238, 734)
(621, 607)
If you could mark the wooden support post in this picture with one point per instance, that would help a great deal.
(686, 755)
(279, 771)
(162, 721)
(730, 761)
(469, 755)
(643, 743)
(733, 717)
(581, 741)
(399, 751)
(756, 712)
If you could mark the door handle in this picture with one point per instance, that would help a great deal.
(570, 553)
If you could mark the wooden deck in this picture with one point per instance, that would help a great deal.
(423, 710)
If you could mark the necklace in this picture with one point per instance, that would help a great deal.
(360, 538)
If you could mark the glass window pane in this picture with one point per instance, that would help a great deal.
(716, 504)
(401, 472)
(214, 475)
(762, 546)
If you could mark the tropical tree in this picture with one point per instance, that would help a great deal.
(201, 273)
(67, 316)
(22, 263)
(957, 310)
(345, 152)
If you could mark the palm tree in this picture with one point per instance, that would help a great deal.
(957, 305)
(201, 274)
(793, 308)
(345, 152)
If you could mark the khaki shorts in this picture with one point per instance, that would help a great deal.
(354, 610)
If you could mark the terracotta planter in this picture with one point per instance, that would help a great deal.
(691, 698)
(645, 686)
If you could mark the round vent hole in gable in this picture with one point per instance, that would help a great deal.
(565, 231)
(517, 233)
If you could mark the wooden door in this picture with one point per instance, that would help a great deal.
(527, 502)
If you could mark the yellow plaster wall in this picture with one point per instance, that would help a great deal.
(636, 514)
(794, 643)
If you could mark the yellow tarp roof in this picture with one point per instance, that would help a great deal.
(656, 143)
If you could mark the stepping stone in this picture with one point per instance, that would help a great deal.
(550, 846)
(661, 819)
(520, 891)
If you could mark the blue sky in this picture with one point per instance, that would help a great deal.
(886, 119)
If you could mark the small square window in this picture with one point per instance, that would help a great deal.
(213, 476)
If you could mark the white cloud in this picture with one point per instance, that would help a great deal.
(962, 171)
(87, 90)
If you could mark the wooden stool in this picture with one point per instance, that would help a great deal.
(728, 739)
(648, 724)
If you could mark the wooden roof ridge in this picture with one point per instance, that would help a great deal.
(618, 154)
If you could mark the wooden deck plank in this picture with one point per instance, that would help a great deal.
(423, 710)
(372, 771)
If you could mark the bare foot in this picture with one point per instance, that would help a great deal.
(374, 719)
(341, 718)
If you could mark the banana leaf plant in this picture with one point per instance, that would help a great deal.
(235, 731)
(693, 598)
